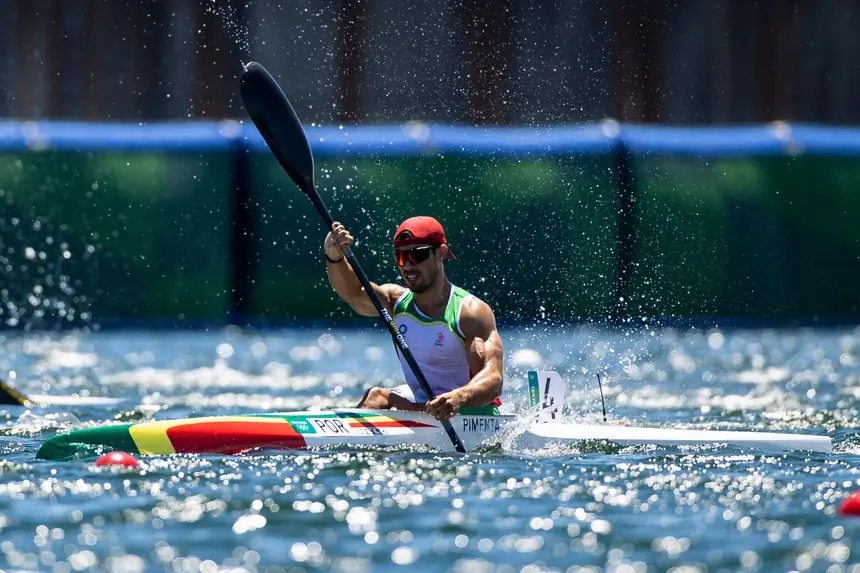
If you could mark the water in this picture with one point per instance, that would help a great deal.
(581, 509)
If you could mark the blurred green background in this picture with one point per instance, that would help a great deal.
(770, 238)
(95, 236)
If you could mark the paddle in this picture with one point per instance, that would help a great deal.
(11, 397)
(277, 122)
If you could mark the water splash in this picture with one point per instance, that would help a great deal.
(233, 21)
(31, 423)
(36, 259)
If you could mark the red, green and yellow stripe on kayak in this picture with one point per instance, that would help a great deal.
(213, 435)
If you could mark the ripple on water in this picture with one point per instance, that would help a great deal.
(502, 509)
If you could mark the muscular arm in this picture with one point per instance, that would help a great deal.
(343, 279)
(349, 289)
(486, 355)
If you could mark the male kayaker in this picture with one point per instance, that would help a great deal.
(451, 333)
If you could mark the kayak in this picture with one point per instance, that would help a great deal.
(361, 427)
(289, 430)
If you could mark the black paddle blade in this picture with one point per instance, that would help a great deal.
(278, 123)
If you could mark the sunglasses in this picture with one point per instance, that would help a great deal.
(415, 256)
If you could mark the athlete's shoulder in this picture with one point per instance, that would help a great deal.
(468, 298)
(393, 292)
(474, 309)
(463, 295)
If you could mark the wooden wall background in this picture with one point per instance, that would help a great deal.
(525, 62)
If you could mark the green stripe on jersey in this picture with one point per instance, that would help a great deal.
(406, 306)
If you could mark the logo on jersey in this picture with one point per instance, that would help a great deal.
(440, 339)
(402, 328)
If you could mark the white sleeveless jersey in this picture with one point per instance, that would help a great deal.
(438, 346)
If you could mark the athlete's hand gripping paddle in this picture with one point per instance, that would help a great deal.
(277, 122)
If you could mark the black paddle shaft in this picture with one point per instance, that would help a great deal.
(279, 125)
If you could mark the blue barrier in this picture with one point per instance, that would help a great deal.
(419, 138)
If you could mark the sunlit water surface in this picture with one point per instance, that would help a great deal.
(591, 508)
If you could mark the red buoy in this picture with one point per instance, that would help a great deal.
(851, 505)
(118, 459)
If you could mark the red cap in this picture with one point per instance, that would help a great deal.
(424, 231)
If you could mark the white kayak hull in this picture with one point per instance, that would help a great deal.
(357, 427)
(475, 431)
(639, 436)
